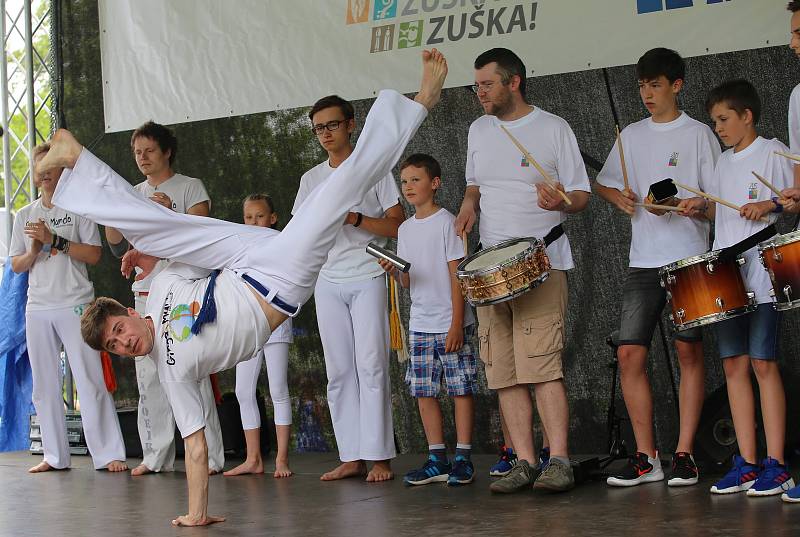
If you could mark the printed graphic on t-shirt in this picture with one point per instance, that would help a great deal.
(673, 159)
(752, 192)
(524, 163)
(181, 319)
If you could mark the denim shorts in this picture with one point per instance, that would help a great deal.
(429, 363)
(643, 301)
(754, 334)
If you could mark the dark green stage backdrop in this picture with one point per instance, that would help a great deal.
(269, 152)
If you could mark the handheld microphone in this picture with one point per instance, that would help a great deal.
(381, 253)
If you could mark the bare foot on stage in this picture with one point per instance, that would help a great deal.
(185, 520)
(434, 72)
(282, 469)
(44, 467)
(345, 470)
(142, 469)
(247, 467)
(211, 471)
(381, 471)
(64, 152)
(116, 466)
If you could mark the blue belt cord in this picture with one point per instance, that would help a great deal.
(208, 311)
(288, 308)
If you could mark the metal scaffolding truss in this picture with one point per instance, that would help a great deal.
(27, 97)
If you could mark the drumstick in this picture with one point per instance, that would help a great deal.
(622, 158)
(466, 246)
(552, 182)
(657, 207)
(768, 185)
(789, 156)
(712, 198)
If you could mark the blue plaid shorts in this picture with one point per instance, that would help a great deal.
(428, 361)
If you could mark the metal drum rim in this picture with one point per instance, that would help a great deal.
(715, 317)
(533, 243)
(536, 282)
(780, 240)
(786, 306)
(689, 261)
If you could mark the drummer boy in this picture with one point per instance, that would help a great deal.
(749, 341)
(440, 325)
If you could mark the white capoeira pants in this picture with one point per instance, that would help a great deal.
(157, 424)
(354, 328)
(276, 356)
(288, 262)
(46, 331)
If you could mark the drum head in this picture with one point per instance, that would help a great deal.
(497, 255)
(695, 259)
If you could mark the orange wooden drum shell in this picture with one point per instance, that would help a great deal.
(784, 272)
(695, 290)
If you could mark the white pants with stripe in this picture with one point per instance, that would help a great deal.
(354, 327)
(46, 331)
(157, 424)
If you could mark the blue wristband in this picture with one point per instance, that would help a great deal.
(778, 207)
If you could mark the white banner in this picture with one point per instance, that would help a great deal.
(175, 61)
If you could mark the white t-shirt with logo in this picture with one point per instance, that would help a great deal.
(684, 150)
(185, 192)
(348, 260)
(55, 280)
(183, 359)
(429, 244)
(734, 182)
(506, 180)
(794, 120)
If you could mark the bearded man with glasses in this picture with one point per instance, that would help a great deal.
(350, 299)
(521, 340)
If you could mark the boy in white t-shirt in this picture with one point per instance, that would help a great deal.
(748, 343)
(668, 144)
(440, 327)
(794, 100)
(262, 276)
(54, 246)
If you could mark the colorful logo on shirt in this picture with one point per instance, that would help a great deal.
(752, 192)
(673, 159)
(181, 319)
(524, 163)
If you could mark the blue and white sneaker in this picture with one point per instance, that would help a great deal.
(738, 479)
(508, 459)
(773, 479)
(791, 495)
(434, 471)
(463, 472)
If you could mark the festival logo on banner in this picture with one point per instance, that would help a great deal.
(401, 24)
(651, 6)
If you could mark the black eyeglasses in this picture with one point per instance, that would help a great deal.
(330, 125)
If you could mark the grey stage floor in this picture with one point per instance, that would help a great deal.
(84, 502)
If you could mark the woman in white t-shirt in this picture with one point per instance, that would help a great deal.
(259, 210)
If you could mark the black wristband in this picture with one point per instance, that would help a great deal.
(359, 218)
(59, 243)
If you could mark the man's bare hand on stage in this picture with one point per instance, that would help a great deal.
(134, 258)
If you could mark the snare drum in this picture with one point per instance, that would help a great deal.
(781, 257)
(503, 271)
(704, 290)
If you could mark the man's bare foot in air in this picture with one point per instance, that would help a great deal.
(381, 471)
(255, 466)
(186, 520)
(142, 469)
(44, 467)
(345, 470)
(64, 152)
(282, 469)
(434, 72)
(116, 466)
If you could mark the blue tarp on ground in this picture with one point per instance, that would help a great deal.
(16, 384)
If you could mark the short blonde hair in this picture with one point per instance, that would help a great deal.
(40, 150)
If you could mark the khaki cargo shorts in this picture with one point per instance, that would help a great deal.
(521, 339)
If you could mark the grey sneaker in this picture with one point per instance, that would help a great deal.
(518, 478)
(555, 477)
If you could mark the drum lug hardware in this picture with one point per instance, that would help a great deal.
(710, 268)
(776, 255)
(787, 291)
(669, 296)
(720, 303)
(680, 314)
(671, 279)
(740, 261)
(751, 296)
